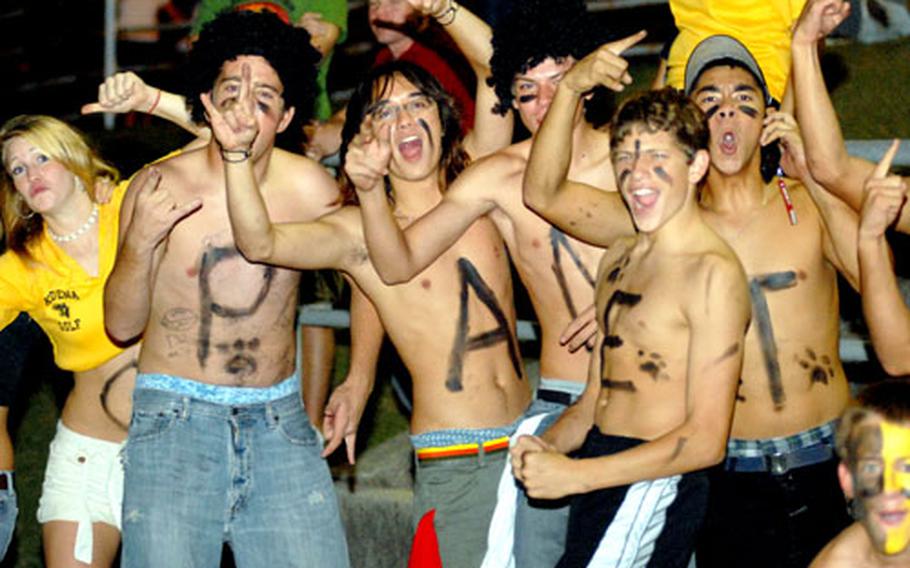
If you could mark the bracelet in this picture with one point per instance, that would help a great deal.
(451, 10)
(244, 156)
(154, 103)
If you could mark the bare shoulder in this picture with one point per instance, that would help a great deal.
(490, 176)
(181, 163)
(178, 170)
(301, 174)
(845, 551)
(298, 188)
(716, 275)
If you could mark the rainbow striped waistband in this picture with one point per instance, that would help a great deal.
(463, 450)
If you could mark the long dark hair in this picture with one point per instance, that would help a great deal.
(378, 82)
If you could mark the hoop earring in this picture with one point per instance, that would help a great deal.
(19, 205)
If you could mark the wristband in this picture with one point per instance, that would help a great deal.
(154, 103)
(450, 11)
(236, 156)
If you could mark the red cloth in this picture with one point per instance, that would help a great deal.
(435, 65)
(425, 548)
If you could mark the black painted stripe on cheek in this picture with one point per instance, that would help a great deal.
(426, 127)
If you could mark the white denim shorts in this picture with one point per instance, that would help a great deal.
(83, 483)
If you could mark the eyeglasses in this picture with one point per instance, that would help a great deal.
(386, 112)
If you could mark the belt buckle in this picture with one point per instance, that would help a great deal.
(778, 464)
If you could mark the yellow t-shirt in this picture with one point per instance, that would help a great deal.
(61, 297)
(761, 25)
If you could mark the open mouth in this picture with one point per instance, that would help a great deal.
(411, 148)
(728, 143)
(644, 198)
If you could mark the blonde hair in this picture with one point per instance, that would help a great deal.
(60, 142)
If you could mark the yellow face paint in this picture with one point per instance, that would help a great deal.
(896, 461)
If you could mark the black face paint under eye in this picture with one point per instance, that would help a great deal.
(526, 98)
(748, 111)
(662, 174)
(711, 111)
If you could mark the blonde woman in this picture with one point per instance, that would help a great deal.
(61, 245)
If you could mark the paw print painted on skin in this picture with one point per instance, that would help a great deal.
(819, 367)
(653, 364)
(241, 363)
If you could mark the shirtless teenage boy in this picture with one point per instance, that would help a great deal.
(777, 496)
(220, 448)
(453, 325)
(662, 382)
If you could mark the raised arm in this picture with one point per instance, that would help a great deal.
(580, 210)
(345, 407)
(886, 313)
(127, 92)
(715, 353)
(473, 37)
(400, 254)
(147, 215)
(328, 243)
(826, 151)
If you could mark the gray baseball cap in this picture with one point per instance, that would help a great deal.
(719, 47)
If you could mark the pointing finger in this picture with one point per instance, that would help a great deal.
(881, 169)
(620, 46)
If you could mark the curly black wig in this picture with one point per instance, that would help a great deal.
(534, 31)
(236, 33)
(378, 81)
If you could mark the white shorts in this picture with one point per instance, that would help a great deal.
(83, 483)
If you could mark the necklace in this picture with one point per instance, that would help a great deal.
(92, 218)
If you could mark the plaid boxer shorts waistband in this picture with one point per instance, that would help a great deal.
(824, 434)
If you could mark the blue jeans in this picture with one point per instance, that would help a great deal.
(200, 473)
(9, 511)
